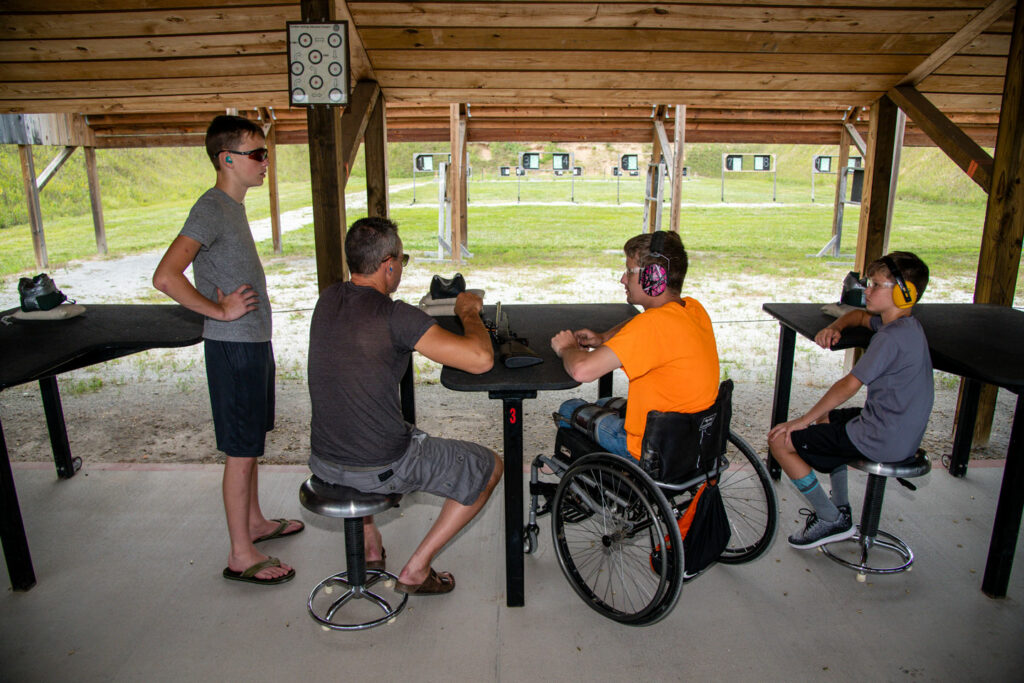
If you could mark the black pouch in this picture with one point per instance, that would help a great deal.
(709, 531)
(39, 293)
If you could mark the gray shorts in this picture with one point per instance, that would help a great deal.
(453, 469)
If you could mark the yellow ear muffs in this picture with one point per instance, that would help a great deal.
(900, 298)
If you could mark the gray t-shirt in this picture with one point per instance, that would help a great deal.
(359, 347)
(897, 368)
(227, 259)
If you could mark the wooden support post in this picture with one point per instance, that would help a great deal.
(328, 177)
(855, 137)
(270, 132)
(355, 120)
(999, 259)
(328, 173)
(54, 166)
(873, 232)
(35, 214)
(95, 200)
(457, 177)
(678, 157)
(897, 154)
(839, 205)
(656, 153)
(375, 149)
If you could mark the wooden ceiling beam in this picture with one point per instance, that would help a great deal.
(526, 132)
(975, 27)
(958, 146)
(740, 98)
(639, 60)
(963, 101)
(64, 90)
(682, 16)
(160, 22)
(153, 104)
(166, 69)
(31, 6)
(972, 65)
(142, 141)
(628, 79)
(811, 41)
(144, 47)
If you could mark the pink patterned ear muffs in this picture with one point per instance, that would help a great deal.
(653, 279)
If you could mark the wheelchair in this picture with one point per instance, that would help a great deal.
(615, 526)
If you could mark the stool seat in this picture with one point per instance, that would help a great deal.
(914, 466)
(335, 500)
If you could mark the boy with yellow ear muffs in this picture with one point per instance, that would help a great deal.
(897, 369)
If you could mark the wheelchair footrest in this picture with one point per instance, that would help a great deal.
(547, 490)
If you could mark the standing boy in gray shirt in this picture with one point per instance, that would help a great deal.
(897, 369)
(231, 292)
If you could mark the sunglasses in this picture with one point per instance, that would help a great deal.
(258, 155)
(405, 259)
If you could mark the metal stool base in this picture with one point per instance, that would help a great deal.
(884, 541)
(361, 592)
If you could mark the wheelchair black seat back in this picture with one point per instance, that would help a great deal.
(615, 525)
(678, 446)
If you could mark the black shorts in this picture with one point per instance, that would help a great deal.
(827, 446)
(240, 376)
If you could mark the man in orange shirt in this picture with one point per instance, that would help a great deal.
(668, 352)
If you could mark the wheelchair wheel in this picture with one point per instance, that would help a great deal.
(617, 540)
(749, 499)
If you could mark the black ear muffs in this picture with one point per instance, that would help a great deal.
(904, 294)
(654, 276)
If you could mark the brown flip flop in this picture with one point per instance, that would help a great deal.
(380, 564)
(280, 532)
(249, 575)
(435, 584)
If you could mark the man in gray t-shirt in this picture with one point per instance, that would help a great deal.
(360, 343)
(231, 292)
(897, 370)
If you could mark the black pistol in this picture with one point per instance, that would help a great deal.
(513, 350)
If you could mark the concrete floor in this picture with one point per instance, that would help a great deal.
(128, 561)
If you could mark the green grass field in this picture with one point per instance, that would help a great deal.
(541, 220)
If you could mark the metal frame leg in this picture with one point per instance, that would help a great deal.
(66, 464)
(1006, 526)
(515, 574)
(783, 387)
(12, 528)
(965, 428)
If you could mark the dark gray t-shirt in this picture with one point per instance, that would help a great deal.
(897, 368)
(359, 346)
(227, 259)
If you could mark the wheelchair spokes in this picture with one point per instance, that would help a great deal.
(609, 555)
(749, 499)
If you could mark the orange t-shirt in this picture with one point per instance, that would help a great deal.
(671, 359)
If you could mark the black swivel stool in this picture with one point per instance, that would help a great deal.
(868, 533)
(351, 505)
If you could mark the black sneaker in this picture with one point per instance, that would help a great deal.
(817, 531)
